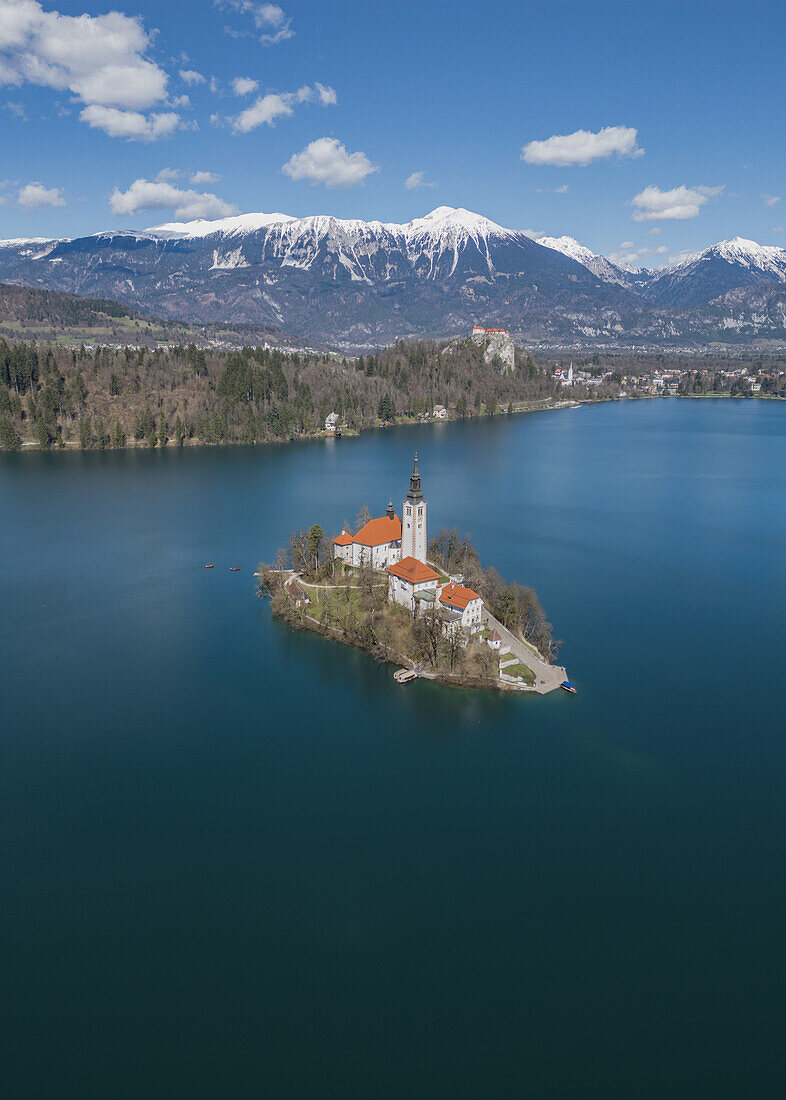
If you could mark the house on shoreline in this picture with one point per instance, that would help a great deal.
(398, 546)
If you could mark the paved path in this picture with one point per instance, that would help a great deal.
(547, 677)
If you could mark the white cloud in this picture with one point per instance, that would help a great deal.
(191, 76)
(244, 85)
(661, 250)
(771, 200)
(327, 95)
(327, 161)
(16, 109)
(168, 174)
(215, 85)
(534, 234)
(777, 229)
(683, 202)
(34, 196)
(102, 60)
(98, 58)
(416, 181)
(159, 195)
(562, 189)
(627, 244)
(270, 19)
(130, 124)
(655, 231)
(180, 101)
(198, 178)
(583, 147)
(267, 108)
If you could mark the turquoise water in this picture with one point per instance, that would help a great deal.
(240, 861)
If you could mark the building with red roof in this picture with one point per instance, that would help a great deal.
(465, 602)
(412, 582)
(377, 543)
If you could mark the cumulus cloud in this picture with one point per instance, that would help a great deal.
(680, 203)
(627, 245)
(34, 196)
(771, 200)
(198, 178)
(583, 147)
(244, 85)
(269, 19)
(16, 109)
(161, 195)
(131, 125)
(267, 108)
(101, 60)
(416, 181)
(98, 58)
(191, 76)
(327, 161)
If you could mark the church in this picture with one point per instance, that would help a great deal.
(399, 547)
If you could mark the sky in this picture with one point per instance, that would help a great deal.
(645, 130)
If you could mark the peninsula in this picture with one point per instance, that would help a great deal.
(427, 606)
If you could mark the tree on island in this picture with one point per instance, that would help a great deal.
(314, 541)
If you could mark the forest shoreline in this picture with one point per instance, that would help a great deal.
(400, 422)
(71, 445)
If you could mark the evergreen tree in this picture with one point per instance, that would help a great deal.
(9, 439)
(85, 433)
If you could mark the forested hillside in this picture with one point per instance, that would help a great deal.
(55, 396)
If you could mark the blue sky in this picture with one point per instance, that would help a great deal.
(354, 98)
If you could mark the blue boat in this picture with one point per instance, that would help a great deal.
(566, 685)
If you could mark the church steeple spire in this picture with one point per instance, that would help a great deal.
(415, 493)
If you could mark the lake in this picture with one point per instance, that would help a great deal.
(240, 861)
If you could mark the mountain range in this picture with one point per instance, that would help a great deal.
(354, 284)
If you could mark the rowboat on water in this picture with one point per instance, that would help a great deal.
(234, 569)
(566, 685)
(211, 565)
(404, 675)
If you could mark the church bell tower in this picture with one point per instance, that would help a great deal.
(413, 518)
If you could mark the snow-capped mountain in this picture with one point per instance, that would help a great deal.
(354, 283)
(710, 274)
(346, 281)
(598, 265)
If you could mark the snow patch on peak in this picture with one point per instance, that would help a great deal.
(456, 221)
(569, 246)
(234, 226)
(599, 266)
(739, 250)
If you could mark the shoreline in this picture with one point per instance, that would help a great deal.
(545, 677)
(72, 445)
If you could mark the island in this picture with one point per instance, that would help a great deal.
(428, 606)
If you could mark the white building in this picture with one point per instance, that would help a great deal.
(412, 582)
(464, 603)
(399, 547)
(377, 543)
(331, 422)
(440, 412)
(414, 540)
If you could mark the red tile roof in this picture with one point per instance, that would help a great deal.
(455, 595)
(379, 531)
(412, 570)
(344, 539)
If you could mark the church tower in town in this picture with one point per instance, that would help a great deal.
(413, 519)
